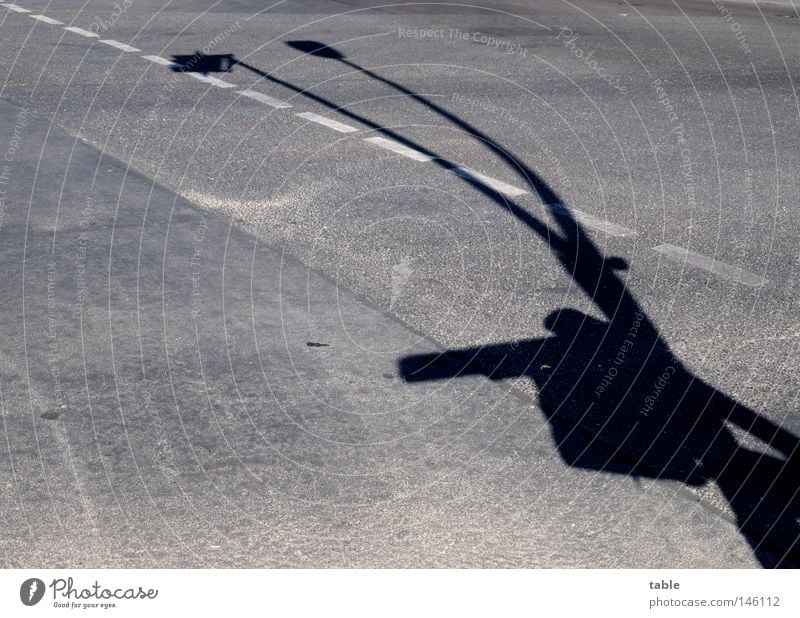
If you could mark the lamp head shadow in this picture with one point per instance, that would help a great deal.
(616, 263)
(315, 48)
(203, 63)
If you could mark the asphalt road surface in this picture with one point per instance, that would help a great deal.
(346, 284)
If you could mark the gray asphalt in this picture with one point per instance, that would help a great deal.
(179, 416)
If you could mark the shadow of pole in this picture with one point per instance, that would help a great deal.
(613, 386)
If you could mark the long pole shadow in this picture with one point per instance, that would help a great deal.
(612, 386)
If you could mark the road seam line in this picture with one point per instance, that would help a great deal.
(263, 98)
(327, 122)
(712, 265)
(123, 46)
(397, 147)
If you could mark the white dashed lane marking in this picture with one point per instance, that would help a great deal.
(673, 252)
(124, 47)
(208, 79)
(161, 61)
(47, 20)
(727, 271)
(16, 8)
(487, 181)
(595, 223)
(277, 103)
(399, 148)
(82, 32)
(327, 122)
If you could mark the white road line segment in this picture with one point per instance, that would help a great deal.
(727, 271)
(208, 79)
(47, 20)
(82, 32)
(327, 122)
(16, 8)
(123, 46)
(263, 98)
(398, 148)
(488, 181)
(595, 223)
(161, 61)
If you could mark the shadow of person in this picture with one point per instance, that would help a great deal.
(653, 415)
(614, 386)
(618, 401)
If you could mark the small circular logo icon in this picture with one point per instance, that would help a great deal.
(31, 591)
